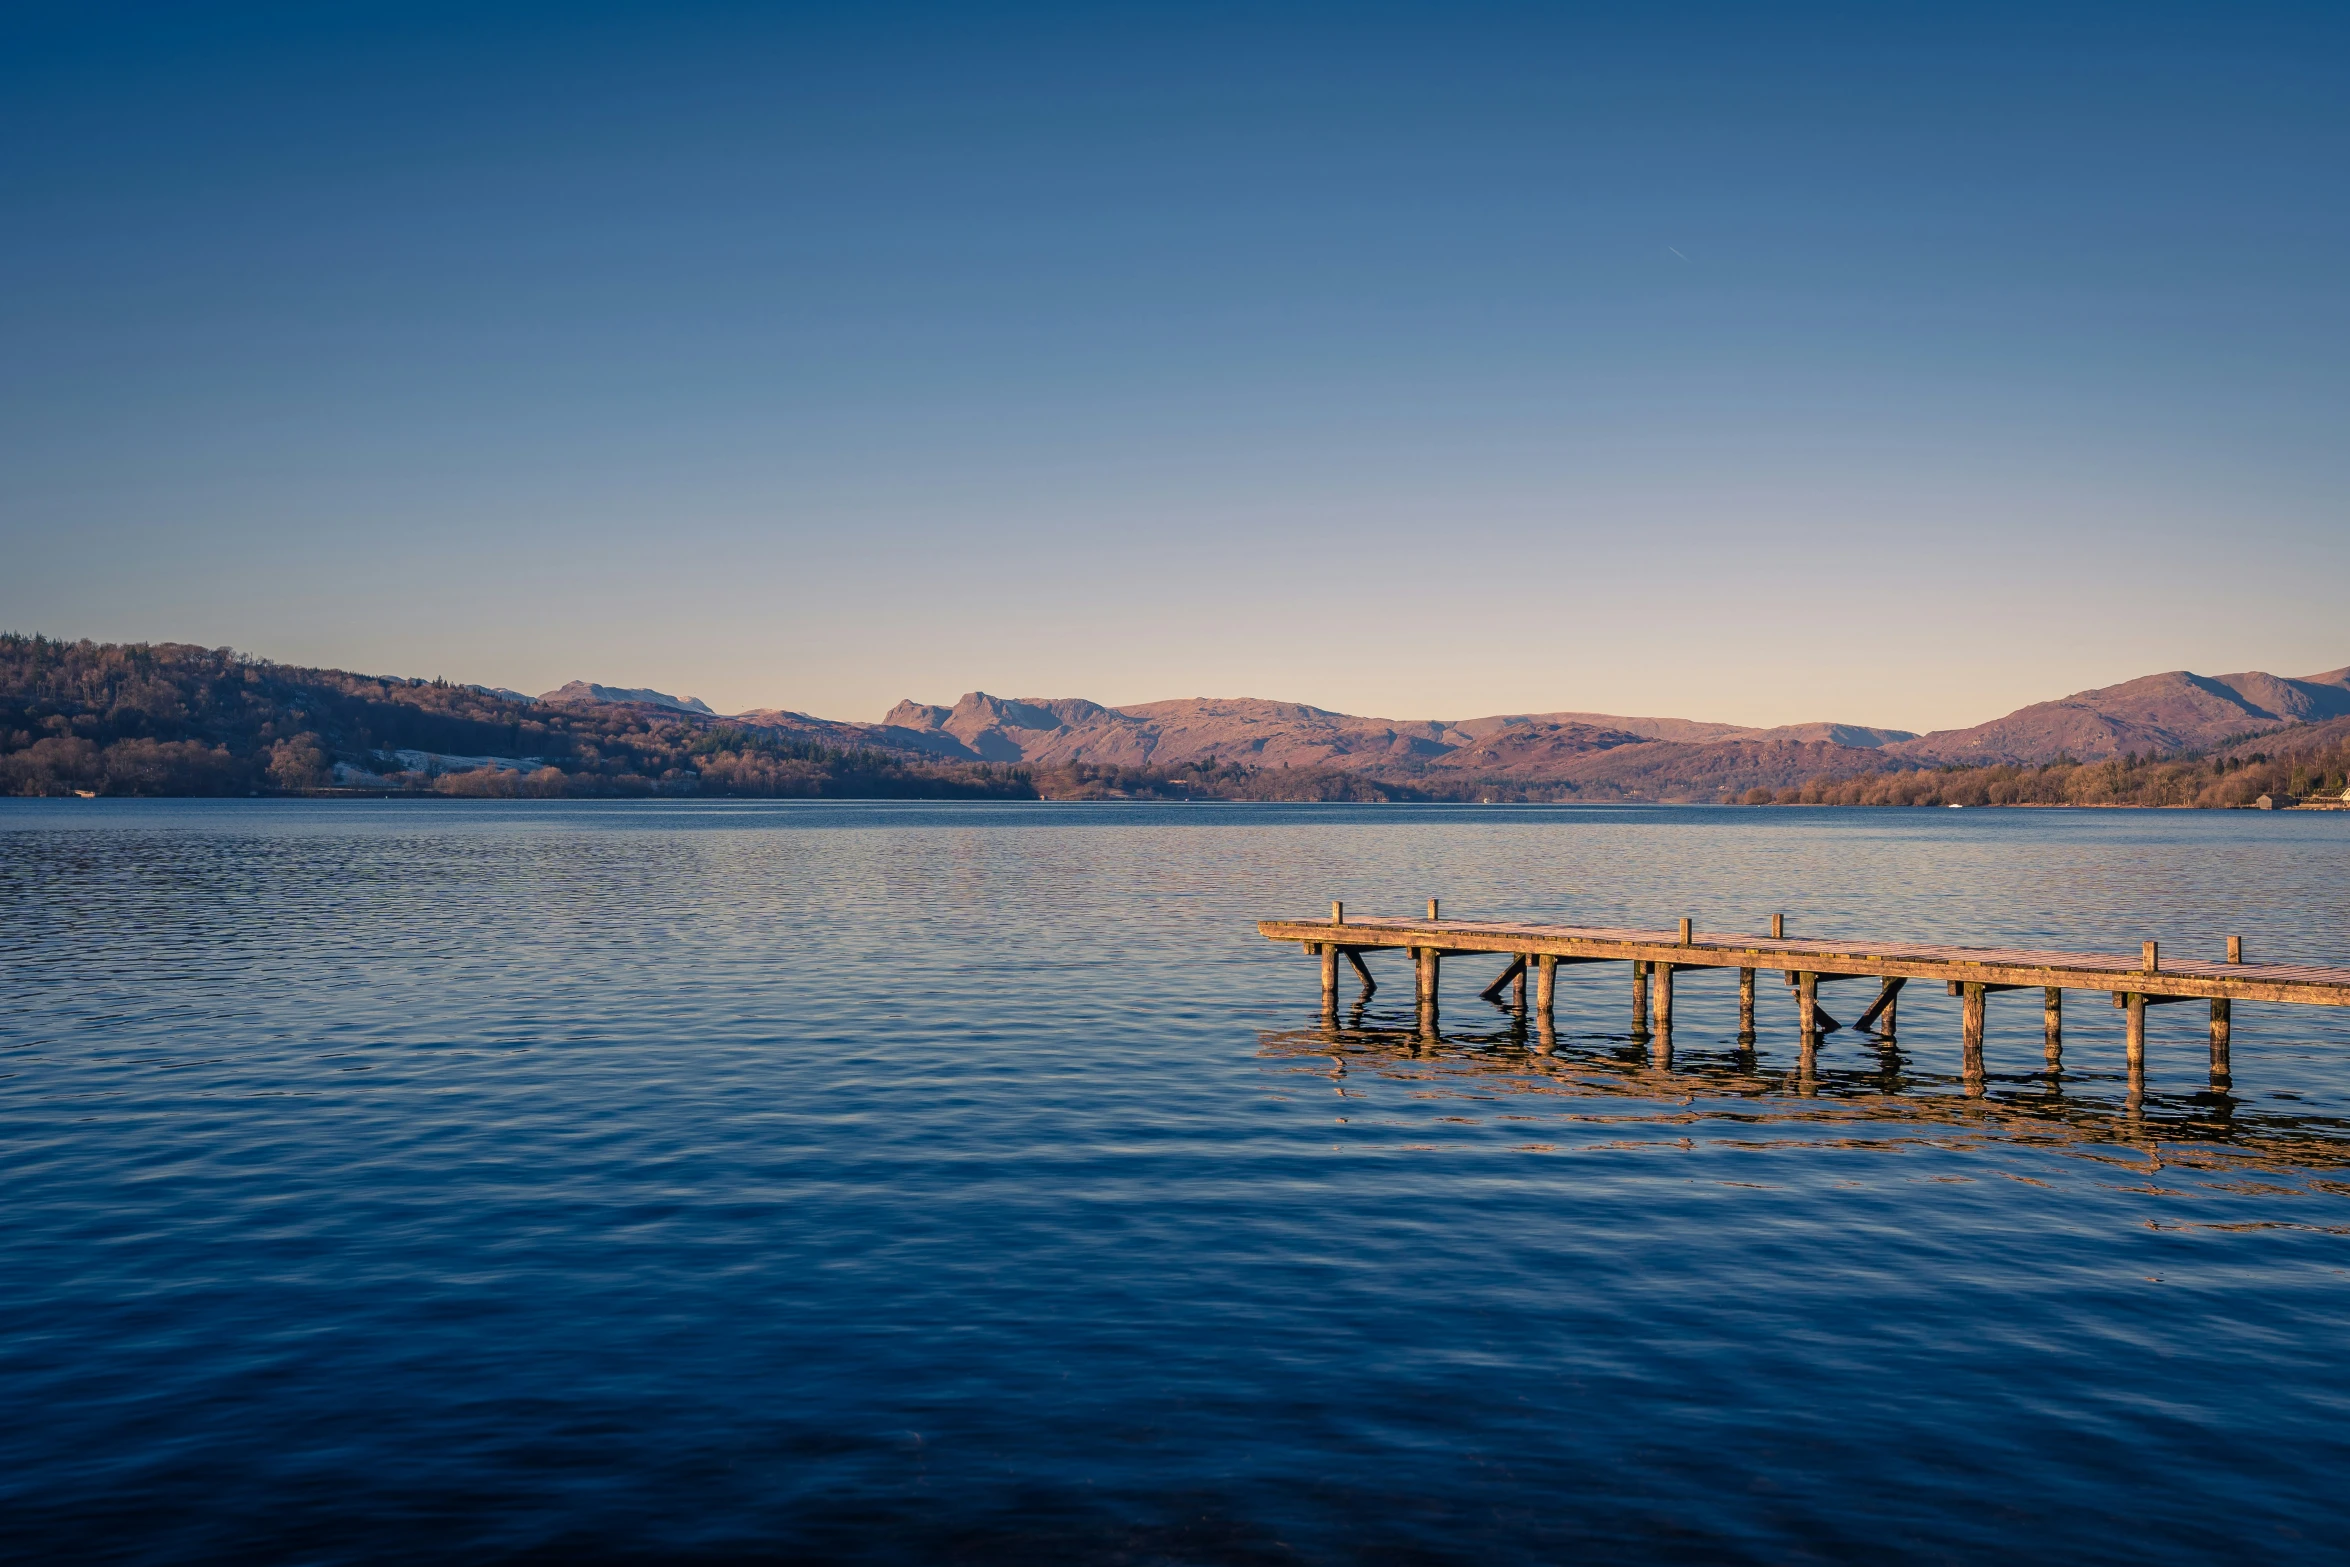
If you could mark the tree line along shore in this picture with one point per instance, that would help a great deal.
(167, 719)
(2229, 779)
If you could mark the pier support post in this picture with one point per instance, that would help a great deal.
(2134, 1040)
(1746, 1006)
(1329, 973)
(2222, 1027)
(1880, 1015)
(2052, 1025)
(1639, 995)
(1427, 976)
(1661, 984)
(1807, 1009)
(1546, 982)
(1363, 969)
(1518, 985)
(1970, 1036)
(1514, 974)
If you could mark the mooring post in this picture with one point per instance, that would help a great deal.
(1661, 977)
(1746, 1006)
(1807, 1008)
(2134, 1044)
(1546, 982)
(2221, 1028)
(1685, 932)
(2052, 1025)
(1970, 1032)
(1639, 995)
(2150, 957)
(1778, 927)
(2235, 949)
(1432, 908)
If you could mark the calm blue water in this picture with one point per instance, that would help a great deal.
(593, 1182)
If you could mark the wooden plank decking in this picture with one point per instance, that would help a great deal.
(2135, 982)
(2120, 973)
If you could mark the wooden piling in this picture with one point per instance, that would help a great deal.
(2052, 1025)
(1685, 931)
(2222, 1026)
(2150, 957)
(1661, 984)
(1514, 970)
(1639, 995)
(1518, 983)
(1427, 975)
(2235, 949)
(1881, 1014)
(1778, 927)
(1432, 908)
(1807, 1008)
(1362, 969)
(1970, 1030)
(1330, 973)
(2134, 1044)
(1546, 979)
(1746, 1006)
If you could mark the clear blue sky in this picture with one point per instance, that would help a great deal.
(1895, 364)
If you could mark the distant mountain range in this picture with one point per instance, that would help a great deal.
(1610, 754)
(167, 718)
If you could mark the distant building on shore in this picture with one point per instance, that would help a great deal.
(2276, 802)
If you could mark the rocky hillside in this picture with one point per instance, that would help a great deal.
(2155, 715)
(1659, 757)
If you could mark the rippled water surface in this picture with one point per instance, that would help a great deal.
(579, 1182)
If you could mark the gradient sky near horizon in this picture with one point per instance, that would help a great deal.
(1885, 363)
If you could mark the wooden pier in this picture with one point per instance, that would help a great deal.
(1974, 974)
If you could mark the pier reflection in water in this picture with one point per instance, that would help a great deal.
(1855, 1091)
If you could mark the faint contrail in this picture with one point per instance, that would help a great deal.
(1677, 253)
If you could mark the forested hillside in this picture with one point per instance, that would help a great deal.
(171, 719)
(2309, 760)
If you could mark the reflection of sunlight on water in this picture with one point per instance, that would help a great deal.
(1582, 1090)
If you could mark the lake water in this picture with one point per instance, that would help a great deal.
(914, 1183)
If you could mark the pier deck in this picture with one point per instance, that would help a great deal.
(2134, 981)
